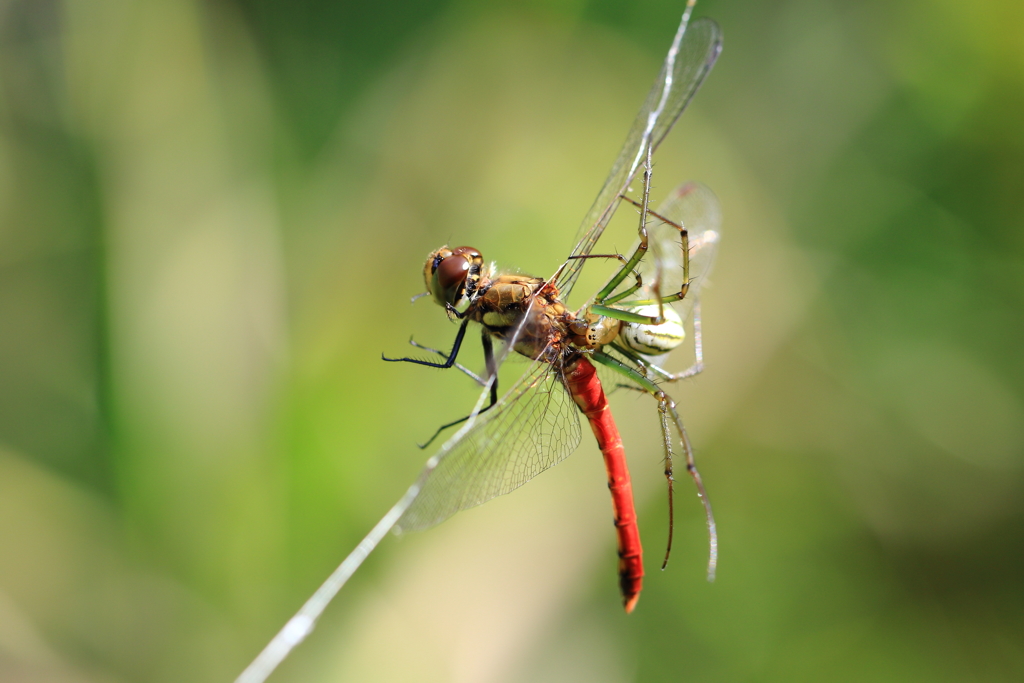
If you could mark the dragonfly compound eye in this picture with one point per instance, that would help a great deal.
(430, 267)
(469, 252)
(452, 275)
(449, 279)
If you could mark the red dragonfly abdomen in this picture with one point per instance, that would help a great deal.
(587, 392)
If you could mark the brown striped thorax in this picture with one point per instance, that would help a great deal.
(459, 278)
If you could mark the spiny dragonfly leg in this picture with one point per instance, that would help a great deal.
(449, 362)
(472, 375)
(668, 413)
(453, 312)
(491, 373)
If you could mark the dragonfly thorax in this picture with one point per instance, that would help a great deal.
(521, 310)
(527, 313)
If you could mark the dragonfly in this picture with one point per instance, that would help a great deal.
(536, 423)
(627, 328)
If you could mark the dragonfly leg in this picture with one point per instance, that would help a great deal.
(449, 362)
(453, 313)
(668, 413)
(492, 377)
(472, 375)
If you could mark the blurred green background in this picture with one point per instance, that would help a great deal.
(213, 214)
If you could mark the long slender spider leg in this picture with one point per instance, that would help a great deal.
(668, 412)
(643, 366)
(691, 467)
(449, 362)
(621, 259)
(685, 239)
(666, 435)
(492, 372)
(605, 294)
(656, 285)
(604, 297)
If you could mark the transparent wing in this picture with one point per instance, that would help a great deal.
(694, 51)
(534, 426)
(695, 207)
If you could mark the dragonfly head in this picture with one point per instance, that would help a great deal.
(452, 275)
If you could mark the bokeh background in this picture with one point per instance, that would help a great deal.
(212, 217)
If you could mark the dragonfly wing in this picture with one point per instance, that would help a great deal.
(694, 50)
(534, 426)
(695, 207)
